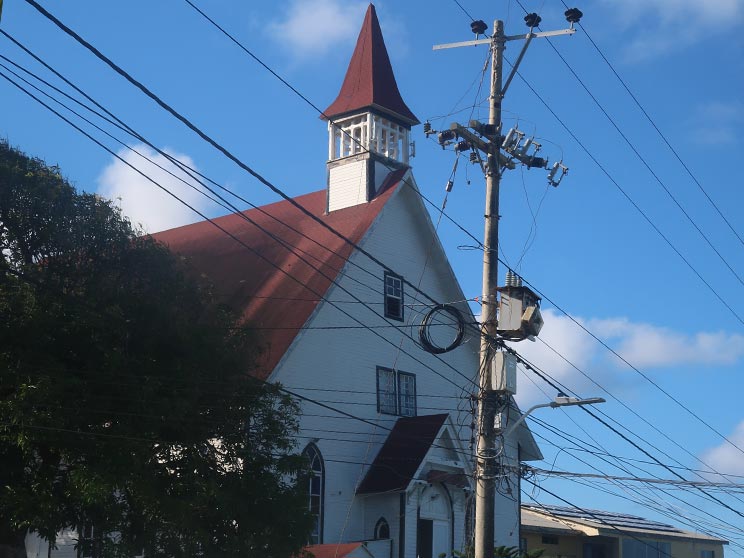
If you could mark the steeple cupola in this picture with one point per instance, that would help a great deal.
(369, 124)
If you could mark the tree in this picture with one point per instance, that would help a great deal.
(126, 409)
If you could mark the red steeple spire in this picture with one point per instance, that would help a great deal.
(369, 81)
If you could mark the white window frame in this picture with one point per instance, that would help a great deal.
(316, 491)
(393, 285)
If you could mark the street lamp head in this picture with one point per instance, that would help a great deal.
(563, 400)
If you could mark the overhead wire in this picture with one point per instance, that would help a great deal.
(679, 516)
(610, 460)
(584, 328)
(304, 398)
(205, 137)
(643, 159)
(180, 164)
(655, 502)
(98, 54)
(630, 410)
(520, 76)
(658, 131)
(590, 514)
(707, 484)
(242, 243)
(543, 376)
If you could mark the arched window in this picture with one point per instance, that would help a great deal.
(315, 489)
(382, 529)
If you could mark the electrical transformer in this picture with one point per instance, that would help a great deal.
(519, 313)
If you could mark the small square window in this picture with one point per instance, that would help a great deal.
(393, 296)
(549, 539)
(707, 554)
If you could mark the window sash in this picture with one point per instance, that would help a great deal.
(387, 396)
(406, 394)
(393, 296)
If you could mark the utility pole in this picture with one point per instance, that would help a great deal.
(494, 387)
(485, 493)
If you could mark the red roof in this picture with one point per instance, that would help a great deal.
(332, 550)
(270, 285)
(369, 81)
(402, 453)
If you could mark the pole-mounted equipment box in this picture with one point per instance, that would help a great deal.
(519, 313)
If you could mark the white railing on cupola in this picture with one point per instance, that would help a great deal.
(368, 132)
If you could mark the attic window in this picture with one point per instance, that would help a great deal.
(393, 296)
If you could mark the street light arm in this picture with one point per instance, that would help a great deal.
(510, 430)
(558, 402)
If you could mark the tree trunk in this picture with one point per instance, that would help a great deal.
(13, 548)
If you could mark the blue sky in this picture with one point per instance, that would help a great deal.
(589, 250)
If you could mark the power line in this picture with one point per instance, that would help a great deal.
(165, 106)
(647, 501)
(589, 514)
(704, 484)
(617, 462)
(658, 131)
(303, 398)
(620, 434)
(461, 8)
(584, 328)
(216, 145)
(222, 30)
(643, 160)
(632, 202)
(252, 250)
(344, 413)
(629, 409)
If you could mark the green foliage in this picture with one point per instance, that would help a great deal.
(125, 402)
(502, 552)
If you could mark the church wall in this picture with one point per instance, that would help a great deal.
(339, 366)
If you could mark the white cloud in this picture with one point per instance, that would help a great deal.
(313, 27)
(645, 346)
(142, 201)
(725, 458)
(657, 27)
